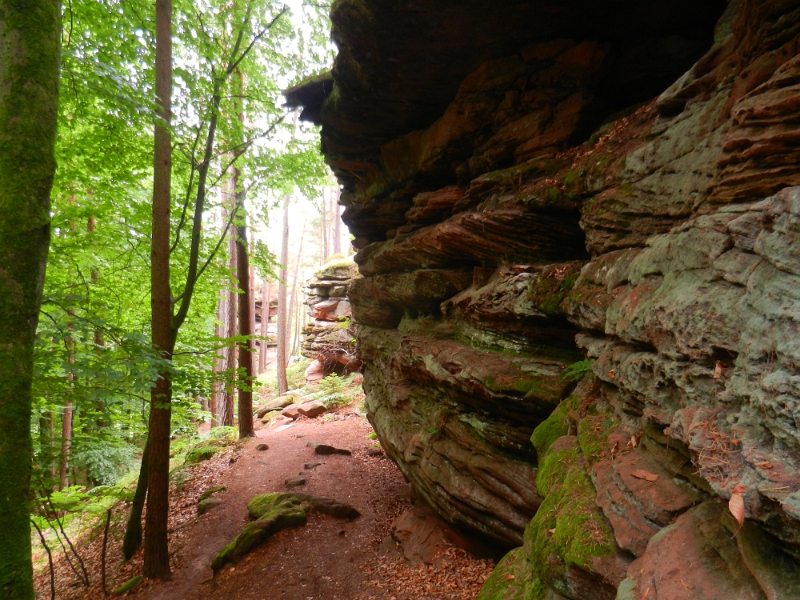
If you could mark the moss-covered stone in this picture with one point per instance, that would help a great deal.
(593, 432)
(568, 529)
(552, 428)
(512, 579)
(275, 512)
(549, 290)
(210, 491)
(272, 513)
(200, 453)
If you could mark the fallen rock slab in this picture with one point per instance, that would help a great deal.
(203, 506)
(273, 513)
(312, 408)
(291, 412)
(325, 449)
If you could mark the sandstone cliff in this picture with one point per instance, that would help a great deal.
(541, 189)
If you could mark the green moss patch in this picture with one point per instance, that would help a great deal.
(552, 428)
(593, 432)
(210, 491)
(549, 290)
(568, 529)
(199, 454)
(273, 513)
(512, 579)
(128, 585)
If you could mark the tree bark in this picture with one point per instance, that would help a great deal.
(132, 540)
(324, 227)
(30, 35)
(156, 550)
(230, 320)
(218, 364)
(66, 420)
(283, 334)
(266, 293)
(293, 303)
(245, 322)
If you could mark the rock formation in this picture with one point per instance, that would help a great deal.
(328, 341)
(534, 185)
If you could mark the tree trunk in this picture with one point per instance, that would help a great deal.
(230, 324)
(293, 303)
(245, 321)
(133, 530)
(156, 550)
(324, 227)
(281, 359)
(337, 222)
(218, 364)
(266, 293)
(66, 421)
(30, 35)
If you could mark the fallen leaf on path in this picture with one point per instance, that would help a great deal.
(718, 369)
(647, 475)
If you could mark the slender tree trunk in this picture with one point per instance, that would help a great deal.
(297, 328)
(133, 531)
(337, 222)
(156, 550)
(293, 304)
(283, 334)
(218, 365)
(99, 342)
(30, 34)
(245, 322)
(266, 298)
(323, 227)
(230, 325)
(66, 421)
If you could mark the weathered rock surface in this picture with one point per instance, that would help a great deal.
(328, 341)
(614, 182)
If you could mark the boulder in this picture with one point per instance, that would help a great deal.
(273, 513)
(312, 408)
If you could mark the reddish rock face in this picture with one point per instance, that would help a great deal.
(573, 191)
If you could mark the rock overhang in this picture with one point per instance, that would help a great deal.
(401, 63)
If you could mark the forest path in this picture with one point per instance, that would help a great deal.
(321, 560)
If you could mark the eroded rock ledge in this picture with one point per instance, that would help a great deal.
(605, 181)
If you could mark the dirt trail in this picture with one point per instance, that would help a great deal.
(327, 559)
(320, 560)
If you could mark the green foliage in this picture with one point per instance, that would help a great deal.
(577, 370)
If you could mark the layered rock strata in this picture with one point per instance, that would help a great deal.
(543, 211)
(328, 341)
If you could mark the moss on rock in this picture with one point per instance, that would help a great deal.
(272, 513)
(200, 453)
(568, 530)
(552, 428)
(512, 579)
